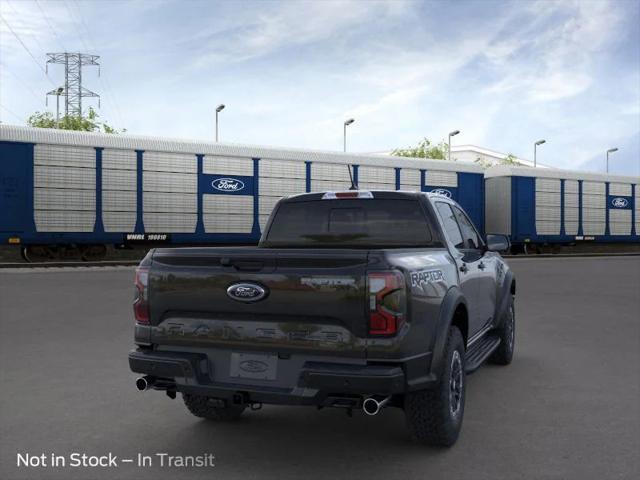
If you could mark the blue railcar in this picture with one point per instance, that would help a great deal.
(88, 190)
(553, 207)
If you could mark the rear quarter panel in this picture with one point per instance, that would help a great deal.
(429, 274)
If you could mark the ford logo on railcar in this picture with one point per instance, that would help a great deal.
(228, 184)
(619, 202)
(247, 292)
(442, 191)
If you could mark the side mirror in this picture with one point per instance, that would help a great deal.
(498, 243)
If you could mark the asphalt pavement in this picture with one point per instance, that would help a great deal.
(568, 407)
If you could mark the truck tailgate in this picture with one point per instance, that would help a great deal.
(313, 302)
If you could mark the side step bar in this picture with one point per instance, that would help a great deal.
(480, 351)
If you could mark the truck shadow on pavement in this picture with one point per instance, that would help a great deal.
(298, 440)
(282, 438)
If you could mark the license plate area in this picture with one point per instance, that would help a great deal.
(253, 365)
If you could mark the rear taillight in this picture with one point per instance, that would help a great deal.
(387, 301)
(141, 300)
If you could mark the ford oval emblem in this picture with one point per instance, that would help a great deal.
(228, 184)
(619, 202)
(247, 292)
(253, 366)
(442, 191)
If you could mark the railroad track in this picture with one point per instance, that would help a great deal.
(75, 264)
(575, 255)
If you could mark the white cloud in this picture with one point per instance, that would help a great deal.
(291, 72)
(551, 56)
(288, 24)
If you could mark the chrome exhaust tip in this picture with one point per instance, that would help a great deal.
(372, 407)
(143, 383)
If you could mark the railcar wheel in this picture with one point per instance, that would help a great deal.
(93, 253)
(37, 253)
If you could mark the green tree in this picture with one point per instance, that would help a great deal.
(88, 123)
(483, 162)
(510, 159)
(424, 149)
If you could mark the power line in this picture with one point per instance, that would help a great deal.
(105, 83)
(75, 24)
(53, 30)
(12, 113)
(42, 49)
(26, 48)
(20, 81)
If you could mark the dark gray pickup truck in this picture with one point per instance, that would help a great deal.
(358, 300)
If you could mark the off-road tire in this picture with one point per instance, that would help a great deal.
(428, 413)
(201, 406)
(507, 332)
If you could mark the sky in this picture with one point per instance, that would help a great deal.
(505, 73)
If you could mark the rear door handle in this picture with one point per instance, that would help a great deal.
(464, 268)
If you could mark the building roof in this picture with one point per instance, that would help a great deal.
(477, 150)
(492, 153)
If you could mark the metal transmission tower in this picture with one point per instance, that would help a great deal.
(73, 91)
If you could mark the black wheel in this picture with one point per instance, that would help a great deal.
(204, 407)
(434, 416)
(507, 333)
(38, 253)
(93, 253)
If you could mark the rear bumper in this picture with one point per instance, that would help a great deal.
(318, 383)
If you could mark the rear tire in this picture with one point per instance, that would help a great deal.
(434, 416)
(202, 407)
(507, 333)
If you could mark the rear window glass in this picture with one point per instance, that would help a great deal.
(350, 223)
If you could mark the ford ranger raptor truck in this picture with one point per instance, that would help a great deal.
(356, 300)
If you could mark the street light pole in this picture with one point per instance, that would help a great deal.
(611, 150)
(219, 108)
(344, 136)
(58, 93)
(535, 152)
(451, 134)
